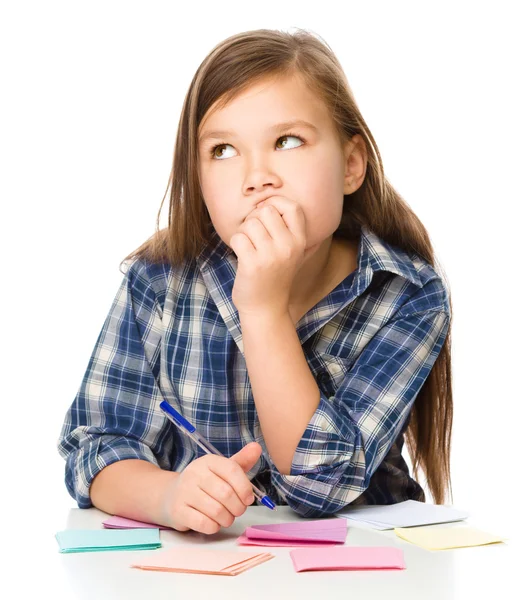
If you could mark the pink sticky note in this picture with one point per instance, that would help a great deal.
(347, 558)
(117, 522)
(297, 533)
(245, 541)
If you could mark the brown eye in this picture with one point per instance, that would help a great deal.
(282, 137)
(214, 148)
(287, 136)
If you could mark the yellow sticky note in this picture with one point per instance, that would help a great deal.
(443, 538)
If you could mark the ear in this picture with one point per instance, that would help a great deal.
(356, 160)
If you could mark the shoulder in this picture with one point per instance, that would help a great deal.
(418, 284)
(433, 292)
(158, 280)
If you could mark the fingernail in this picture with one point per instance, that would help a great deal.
(250, 499)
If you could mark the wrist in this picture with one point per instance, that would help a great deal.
(164, 495)
(264, 315)
(132, 488)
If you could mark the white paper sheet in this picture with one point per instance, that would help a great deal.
(403, 514)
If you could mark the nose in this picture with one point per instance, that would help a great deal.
(260, 178)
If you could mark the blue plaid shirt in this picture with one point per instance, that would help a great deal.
(174, 334)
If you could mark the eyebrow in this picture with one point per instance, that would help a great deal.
(278, 127)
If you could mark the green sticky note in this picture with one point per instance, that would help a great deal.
(96, 540)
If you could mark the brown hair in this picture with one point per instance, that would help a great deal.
(231, 67)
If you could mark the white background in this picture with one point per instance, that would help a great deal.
(92, 93)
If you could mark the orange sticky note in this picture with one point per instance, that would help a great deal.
(116, 522)
(208, 562)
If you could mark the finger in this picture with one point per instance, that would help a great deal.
(242, 246)
(206, 502)
(292, 215)
(256, 232)
(222, 502)
(232, 474)
(248, 456)
(198, 521)
(272, 220)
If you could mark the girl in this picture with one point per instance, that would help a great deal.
(291, 311)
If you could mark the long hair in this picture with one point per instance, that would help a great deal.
(230, 68)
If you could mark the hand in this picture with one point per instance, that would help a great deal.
(211, 491)
(270, 246)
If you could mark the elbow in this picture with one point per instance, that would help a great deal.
(321, 494)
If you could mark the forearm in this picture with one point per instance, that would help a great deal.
(285, 392)
(133, 489)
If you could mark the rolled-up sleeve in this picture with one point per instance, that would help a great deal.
(112, 417)
(351, 432)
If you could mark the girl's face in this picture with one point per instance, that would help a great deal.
(245, 156)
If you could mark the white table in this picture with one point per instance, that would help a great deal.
(479, 572)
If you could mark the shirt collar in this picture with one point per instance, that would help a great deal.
(218, 266)
(374, 254)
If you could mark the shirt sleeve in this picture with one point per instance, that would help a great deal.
(351, 432)
(112, 417)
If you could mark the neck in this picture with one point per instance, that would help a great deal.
(314, 274)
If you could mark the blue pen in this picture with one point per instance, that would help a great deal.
(185, 426)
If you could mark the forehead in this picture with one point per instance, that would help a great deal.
(271, 101)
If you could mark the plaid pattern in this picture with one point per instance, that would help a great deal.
(174, 334)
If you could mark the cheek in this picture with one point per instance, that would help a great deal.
(323, 210)
(222, 216)
(218, 200)
(322, 222)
